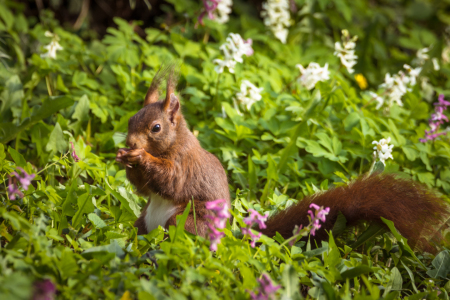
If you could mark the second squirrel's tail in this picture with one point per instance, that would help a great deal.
(417, 212)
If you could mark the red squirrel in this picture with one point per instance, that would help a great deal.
(166, 163)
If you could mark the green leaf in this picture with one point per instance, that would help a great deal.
(374, 230)
(127, 203)
(340, 225)
(351, 121)
(401, 240)
(82, 109)
(12, 95)
(300, 128)
(17, 157)
(8, 131)
(96, 220)
(356, 272)
(290, 281)
(84, 206)
(181, 221)
(113, 247)
(56, 142)
(441, 264)
(395, 281)
(411, 276)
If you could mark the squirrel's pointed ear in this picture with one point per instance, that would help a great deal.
(171, 106)
(153, 91)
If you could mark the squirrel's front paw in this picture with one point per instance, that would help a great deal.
(120, 157)
(136, 156)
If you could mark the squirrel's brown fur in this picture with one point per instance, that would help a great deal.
(172, 164)
(417, 212)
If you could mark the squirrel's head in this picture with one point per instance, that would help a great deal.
(155, 127)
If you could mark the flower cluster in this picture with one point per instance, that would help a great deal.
(383, 150)
(397, 85)
(233, 49)
(218, 10)
(25, 181)
(346, 51)
(313, 74)
(53, 46)
(219, 220)
(74, 155)
(317, 216)
(249, 94)
(314, 223)
(266, 289)
(252, 219)
(277, 17)
(436, 120)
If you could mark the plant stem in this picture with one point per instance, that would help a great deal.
(48, 166)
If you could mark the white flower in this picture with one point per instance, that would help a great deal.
(383, 150)
(422, 55)
(377, 98)
(233, 50)
(435, 64)
(249, 94)
(413, 74)
(346, 51)
(399, 84)
(222, 11)
(313, 74)
(277, 17)
(51, 49)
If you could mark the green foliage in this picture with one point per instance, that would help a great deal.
(74, 225)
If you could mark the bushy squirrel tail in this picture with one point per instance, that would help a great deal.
(417, 212)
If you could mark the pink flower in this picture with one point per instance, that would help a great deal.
(249, 50)
(266, 289)
(254, 237)
(219, 220)
(220, 207)
(208, 10)
(319, 215)
(13, 190)
(74, 155)
(44, 290)
(441, 101)
(436, 120)
(252, 219)
(256, 218)
(24, 179)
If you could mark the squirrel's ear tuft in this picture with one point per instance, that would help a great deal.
(172, 106)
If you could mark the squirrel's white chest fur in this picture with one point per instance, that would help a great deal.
(158, 212)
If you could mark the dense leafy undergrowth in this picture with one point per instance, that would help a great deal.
(73, 225)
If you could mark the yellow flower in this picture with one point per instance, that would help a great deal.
(126, 296)
(361, 81)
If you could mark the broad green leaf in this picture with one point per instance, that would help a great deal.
(17, 157)
(401, 239)
(96, 220)
(82, 109)
(57, 142)
(441, 264)
(85, 206)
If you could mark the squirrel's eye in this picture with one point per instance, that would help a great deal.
(156, 128)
